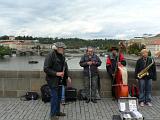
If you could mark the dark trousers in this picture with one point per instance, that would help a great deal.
(113, 82)
(55, 99)
(93, 86)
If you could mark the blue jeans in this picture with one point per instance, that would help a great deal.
(62, 93)
(55, 100)
(145, 88)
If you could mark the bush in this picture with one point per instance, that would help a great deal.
(4, 51)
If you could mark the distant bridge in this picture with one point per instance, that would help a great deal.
(24, 52)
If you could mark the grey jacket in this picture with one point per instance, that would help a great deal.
(93, 67)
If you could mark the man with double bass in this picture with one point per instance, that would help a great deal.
(112, 65)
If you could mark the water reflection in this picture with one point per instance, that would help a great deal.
(21, 63)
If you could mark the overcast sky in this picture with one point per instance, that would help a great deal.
(80, 18)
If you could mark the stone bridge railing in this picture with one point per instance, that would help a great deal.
(16, 83)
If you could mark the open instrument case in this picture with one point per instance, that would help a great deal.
(128, 109)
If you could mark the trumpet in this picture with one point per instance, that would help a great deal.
(145, 72)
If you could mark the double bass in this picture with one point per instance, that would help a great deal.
(121, 77)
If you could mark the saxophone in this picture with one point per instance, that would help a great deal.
(145, 72)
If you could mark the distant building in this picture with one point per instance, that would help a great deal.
(154, 47)
(138, 40)
(9, 43)
(15, 44)
(151, 42)
(148, 35)
(83, 49)
(11, 37)
(24, 44)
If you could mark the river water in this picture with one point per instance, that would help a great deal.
(21, 63)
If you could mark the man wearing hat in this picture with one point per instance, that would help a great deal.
(145, 81)
(111, 64)
(56, 71)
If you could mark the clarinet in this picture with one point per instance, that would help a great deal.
(62, 88)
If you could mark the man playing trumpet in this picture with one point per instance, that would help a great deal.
(145, 72)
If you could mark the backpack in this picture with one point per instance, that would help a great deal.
(45, 93)
(70, 94)
(82, 94)
(30, 96)
(134, 91)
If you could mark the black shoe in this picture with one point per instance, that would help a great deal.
(60, 114)
(63, 103)
(113, 98)
(88, 100)
(94, 100)
(54, 118)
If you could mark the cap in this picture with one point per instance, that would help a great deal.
(60, 45)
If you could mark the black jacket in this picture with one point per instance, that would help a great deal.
(55, 62)
(141, 64)
(93, 67)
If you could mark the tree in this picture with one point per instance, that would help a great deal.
(5, 37)
(4, 51)
(73, 43)
(135, 48)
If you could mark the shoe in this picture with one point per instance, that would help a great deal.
(63, 103)
(141, 104)
(149, 104)
(60, 114)
(87, 101)
(113, 99)
(94, 100)
(54, 118)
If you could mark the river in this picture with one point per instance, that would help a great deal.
(21, 63)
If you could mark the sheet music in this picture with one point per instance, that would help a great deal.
(132, 105)
(122, 106)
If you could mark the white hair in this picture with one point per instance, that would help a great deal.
(144, 51)
(54, 47)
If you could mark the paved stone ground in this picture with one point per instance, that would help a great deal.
(15, 109)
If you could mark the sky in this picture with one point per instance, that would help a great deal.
(120, 19)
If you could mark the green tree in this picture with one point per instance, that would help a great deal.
(4, 51)
(5, 37)
(135, 48)
(73, 43)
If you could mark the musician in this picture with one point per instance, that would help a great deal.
(145, 83)
(111, 63)
(92, 60)
(53, 67)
